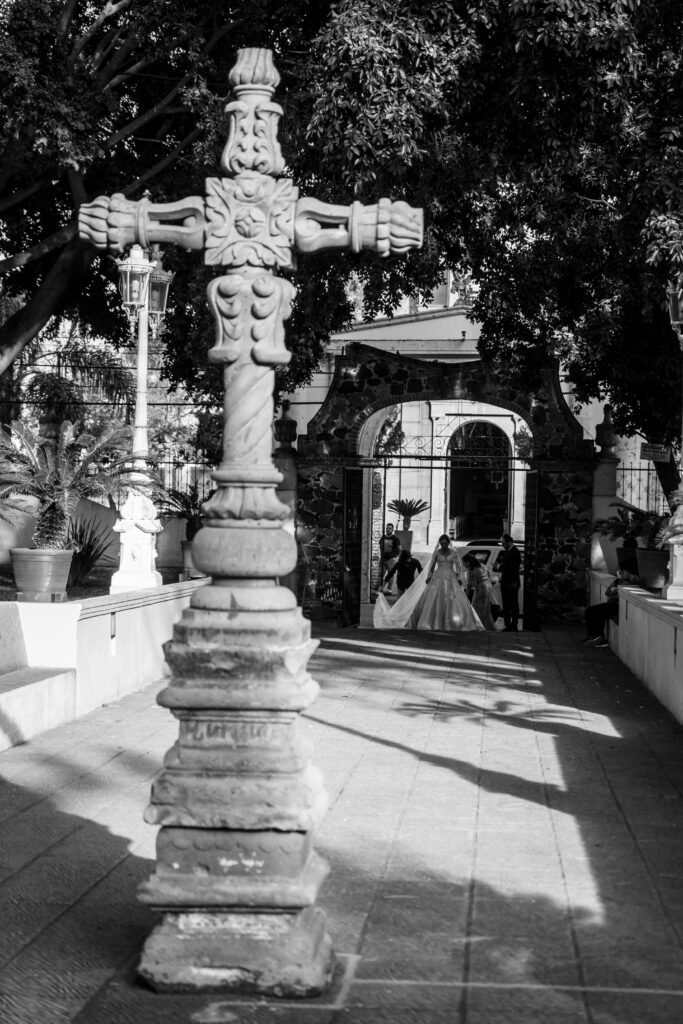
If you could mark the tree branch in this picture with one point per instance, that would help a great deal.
(106, 46)
(66, 18)
(23, 193)
(41, 248)
(68, 233)
(7, 172)
(120, 55)
(67, 272)
(75, 179)
(162, 164)
(133, 69)
(110, 10)
(153, 111)
(149, 115)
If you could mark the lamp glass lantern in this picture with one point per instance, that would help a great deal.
(134, 275)
(159, 284)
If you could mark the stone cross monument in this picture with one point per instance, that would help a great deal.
(237, 798)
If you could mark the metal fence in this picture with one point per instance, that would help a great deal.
(173, 475)
(179, 475)
(640, 486)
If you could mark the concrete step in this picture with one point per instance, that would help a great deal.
(33, 700)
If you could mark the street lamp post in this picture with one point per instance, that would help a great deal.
(144, 286)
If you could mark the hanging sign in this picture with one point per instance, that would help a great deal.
(655, 452)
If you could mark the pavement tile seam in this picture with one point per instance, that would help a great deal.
(522, 986)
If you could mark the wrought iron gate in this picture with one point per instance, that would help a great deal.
(352, 546)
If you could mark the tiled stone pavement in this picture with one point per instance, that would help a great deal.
(505, 833)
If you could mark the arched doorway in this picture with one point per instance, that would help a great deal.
(480, 495)
(459, 458)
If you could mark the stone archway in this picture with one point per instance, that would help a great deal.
(367, 380)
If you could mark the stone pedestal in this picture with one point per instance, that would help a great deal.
(238, 798)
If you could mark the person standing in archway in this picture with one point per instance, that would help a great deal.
(389, 550)
(508, 564)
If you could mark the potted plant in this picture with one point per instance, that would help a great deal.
(186, 505)
(645, 529)
(408, 509)
(56, 473)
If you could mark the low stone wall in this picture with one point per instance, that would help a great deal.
(79, 655)
(649, 641)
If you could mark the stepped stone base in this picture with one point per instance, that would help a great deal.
(281, 954)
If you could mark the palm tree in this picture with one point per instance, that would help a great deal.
(57, 473)
(57, 380)
(408, 508)
(185, 505)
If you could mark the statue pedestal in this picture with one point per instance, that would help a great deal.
(138, 527)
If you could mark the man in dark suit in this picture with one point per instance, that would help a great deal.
(508, 564)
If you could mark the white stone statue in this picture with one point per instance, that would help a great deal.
(138, 527)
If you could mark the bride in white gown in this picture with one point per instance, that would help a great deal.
(436, 600)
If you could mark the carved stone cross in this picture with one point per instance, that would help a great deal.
(238, 799)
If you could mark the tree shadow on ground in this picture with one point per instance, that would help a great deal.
(70, 916)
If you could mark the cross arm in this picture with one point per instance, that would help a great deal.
(114, 222)
(386, 227)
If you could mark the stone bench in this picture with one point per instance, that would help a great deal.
(59, 661)
(33, 700)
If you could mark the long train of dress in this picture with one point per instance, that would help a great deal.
(440, 604)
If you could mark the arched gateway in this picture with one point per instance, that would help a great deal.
(337, 464)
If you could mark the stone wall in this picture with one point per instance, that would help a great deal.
(367, 380)
(563, 548)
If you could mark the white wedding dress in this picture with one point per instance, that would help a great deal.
(440, 604)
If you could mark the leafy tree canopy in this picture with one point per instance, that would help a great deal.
(101, 96)
(542, 139)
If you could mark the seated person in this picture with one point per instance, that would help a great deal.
(598, 615)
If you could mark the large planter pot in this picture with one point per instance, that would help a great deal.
(41, 574)
(628, 561)
(406, 539)
(652, 567)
